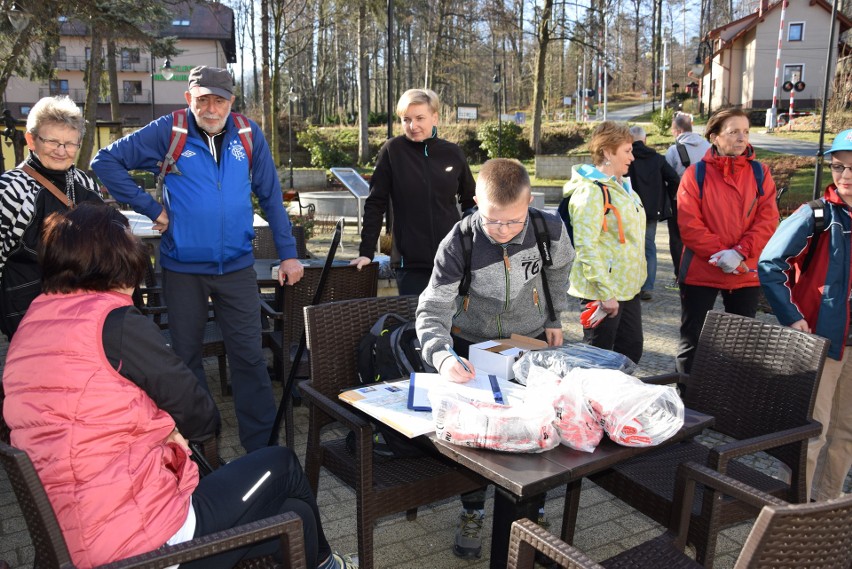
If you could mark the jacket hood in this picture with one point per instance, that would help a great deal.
(691, 139)
(642, 150)
(729, 164)
(580, 174)
(831, 196)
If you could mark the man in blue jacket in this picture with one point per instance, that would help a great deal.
(206, 222)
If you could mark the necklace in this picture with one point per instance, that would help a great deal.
(69, 187)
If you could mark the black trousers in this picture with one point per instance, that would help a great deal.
(623, 333)
(228, 498)
(675, 243)
(412, 281)
(696, 302)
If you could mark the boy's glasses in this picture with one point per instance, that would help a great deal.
(500, 224)
(838, 168)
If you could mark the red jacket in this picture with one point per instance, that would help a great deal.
(96, 439)
(730, 215)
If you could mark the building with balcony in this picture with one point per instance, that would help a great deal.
(740, 69)
(205, 33)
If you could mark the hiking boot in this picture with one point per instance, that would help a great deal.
(345, 561)
(468, 543)
(540, 557)
(646, 295)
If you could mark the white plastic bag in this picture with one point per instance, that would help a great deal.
(527, 427)
(577, 425)
(632, 413)
(562, 359)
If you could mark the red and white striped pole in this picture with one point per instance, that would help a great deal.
(773, 116)
(790, 115)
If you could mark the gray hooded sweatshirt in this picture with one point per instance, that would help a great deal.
(696, 148)
(506, 295)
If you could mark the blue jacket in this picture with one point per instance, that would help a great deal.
(821, 294)
(208, 204)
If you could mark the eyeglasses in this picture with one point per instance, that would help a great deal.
(500, 224)
(52, 144)
(838, 168)
(735, 133)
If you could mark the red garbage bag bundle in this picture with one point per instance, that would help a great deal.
(527, 427)
(576, 423)
(632, 413)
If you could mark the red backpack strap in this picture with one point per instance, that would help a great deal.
(244, 130)
(177, 141)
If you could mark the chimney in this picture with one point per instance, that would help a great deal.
(764, 5)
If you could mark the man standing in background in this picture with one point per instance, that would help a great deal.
(689, 148)
(656, 183)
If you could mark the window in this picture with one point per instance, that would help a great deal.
(794, 72)
(129, 56)
(25, 110)
(60, 54)
(180, 22)
(132, 89)
(796, 31)
(59, 86)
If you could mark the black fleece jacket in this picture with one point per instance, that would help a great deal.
(654, 180)
(421, 182)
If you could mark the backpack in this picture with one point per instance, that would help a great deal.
(177, 141)
(818, 215)
(542, 239)
(565, 214)
(390, 350)
(683, 154)
(701, 170)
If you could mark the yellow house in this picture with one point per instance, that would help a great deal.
(205, 32)
(742, 69)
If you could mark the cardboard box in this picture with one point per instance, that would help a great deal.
(497, 356)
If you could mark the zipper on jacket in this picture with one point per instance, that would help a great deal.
(224, 221)
(507, 265)
(535, 300)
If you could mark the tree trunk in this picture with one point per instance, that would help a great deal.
(266, 100)
(363, 86)
(540, 74)
(114, 99)
(93, 92)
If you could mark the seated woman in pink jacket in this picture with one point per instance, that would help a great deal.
(104, 409)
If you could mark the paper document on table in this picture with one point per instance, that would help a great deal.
(480, 388)
(388, 402)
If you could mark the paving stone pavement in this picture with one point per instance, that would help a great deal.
(605, 525)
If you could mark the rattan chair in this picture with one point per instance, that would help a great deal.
(758, 380)
(150, 301)
(812, 536)
(343, 283)
(264, 245)
(382, 486)
(51, 551)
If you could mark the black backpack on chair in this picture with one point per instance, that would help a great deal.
(389, 351)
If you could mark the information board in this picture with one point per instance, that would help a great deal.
(356, 185)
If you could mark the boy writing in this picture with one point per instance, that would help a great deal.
(506, 294)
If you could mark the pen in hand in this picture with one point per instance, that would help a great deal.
(458, 358)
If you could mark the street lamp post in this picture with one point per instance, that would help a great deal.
(167, 72)
(292, 96)
(496, 86)
(705, 50)
(18, 18)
